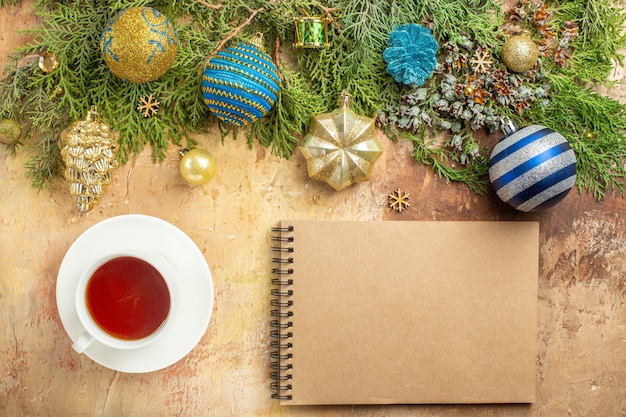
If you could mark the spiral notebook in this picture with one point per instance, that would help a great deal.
(404, 312)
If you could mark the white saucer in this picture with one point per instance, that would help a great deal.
(196, 289)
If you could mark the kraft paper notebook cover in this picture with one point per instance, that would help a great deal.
(403, 312)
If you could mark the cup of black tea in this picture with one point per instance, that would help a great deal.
(125, 300)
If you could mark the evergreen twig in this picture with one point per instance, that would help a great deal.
(311, 79)
(234, 33)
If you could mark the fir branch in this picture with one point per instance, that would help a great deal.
(45, 118)
(363, 71)
(13, 87)
(456, 20)
(285, 124)
(234, 32)
(427, 153)
(211, 6)
(73, 32)
(44, 165)
(595, 127)
(597, 49)
(47, 103)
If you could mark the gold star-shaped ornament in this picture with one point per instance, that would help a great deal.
(341, 147)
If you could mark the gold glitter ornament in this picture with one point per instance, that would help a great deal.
(341, 147)
(10, 131)
(89, 151)
(139, 44)
(197, 166)
(519, 53)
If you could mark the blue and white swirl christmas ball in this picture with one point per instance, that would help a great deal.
(532, 168)
(240, 84)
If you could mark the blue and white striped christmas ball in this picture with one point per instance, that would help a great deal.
(532, 168)
(240, 84)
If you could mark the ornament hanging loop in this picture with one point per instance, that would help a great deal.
(345, 99)
(92, 114)
(507, 126)
(258, 41)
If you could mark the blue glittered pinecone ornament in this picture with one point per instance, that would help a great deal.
(240, 84)
(412, 54)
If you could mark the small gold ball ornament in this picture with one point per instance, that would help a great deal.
(468, 91)
(10, 131)
(139, 44)
(197, 166)
(58, 92)
(519, 53)
(590, 135)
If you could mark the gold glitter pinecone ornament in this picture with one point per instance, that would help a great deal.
(88, 153)
(519, 53)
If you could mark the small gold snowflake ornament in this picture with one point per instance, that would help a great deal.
(399, 200)
(481, 62)
(148, 105)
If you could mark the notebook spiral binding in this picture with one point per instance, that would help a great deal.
(281, 324)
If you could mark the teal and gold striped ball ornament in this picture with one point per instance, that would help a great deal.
(139, 44)
(532, 168)
(240, 84)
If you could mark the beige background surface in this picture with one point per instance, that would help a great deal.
(581, 361)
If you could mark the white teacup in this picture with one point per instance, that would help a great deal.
(92, 330)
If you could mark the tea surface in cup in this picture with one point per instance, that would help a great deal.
(127, 298)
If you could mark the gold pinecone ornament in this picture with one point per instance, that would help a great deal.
(89, 152)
